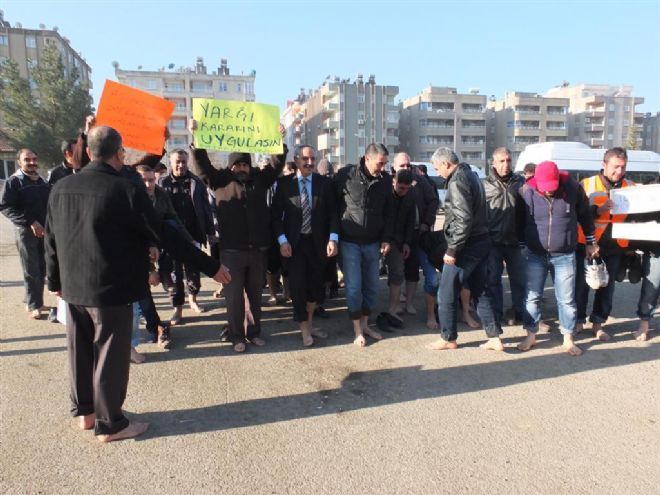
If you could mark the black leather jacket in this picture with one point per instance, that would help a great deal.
(465, 209)
(506, 209)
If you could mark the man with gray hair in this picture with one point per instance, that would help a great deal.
(468, 244)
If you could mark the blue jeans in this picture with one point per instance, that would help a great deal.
(431, 281)
(516, 267)
(360, 267)
(648, 297)
(538, 266)
(602, 306)
(470, 270)
(33, 261)
(135, 334)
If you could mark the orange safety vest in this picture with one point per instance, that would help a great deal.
(598, 195)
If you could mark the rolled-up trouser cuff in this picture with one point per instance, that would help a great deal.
(355, 315)
(597, 319)
(564, 331)
(493, 331)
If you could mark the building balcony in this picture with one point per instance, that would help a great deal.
(331, 107)
(391, 141)
(526, 131)
(330, 123)
(327, 141)
(552, 131)
(594, 127)
(595, 142)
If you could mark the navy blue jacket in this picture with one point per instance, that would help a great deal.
(551, 223)
(24, 200)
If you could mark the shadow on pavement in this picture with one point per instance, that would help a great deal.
(364, 390)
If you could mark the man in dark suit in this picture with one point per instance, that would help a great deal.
(306, 222)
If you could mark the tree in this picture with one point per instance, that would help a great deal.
(42, 117)
(631, 140)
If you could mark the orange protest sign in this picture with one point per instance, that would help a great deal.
(139, 117)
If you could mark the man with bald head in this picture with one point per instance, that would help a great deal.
(427, 202)
(98, 246)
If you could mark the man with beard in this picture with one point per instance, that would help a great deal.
(24, 202)
(245, 232)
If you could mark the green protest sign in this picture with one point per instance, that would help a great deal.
(237, 126)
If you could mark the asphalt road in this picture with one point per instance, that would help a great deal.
(335, 419)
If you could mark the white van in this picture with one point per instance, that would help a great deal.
(582, 161)
(440, 182)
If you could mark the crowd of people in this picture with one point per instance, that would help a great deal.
(100, 232)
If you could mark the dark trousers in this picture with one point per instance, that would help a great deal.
(470, 270)
(602, 306)
(516, 266)
(148, 310)
(247, 269)
(306, 276)
(33, 262)
(193, 283)
(99, 345)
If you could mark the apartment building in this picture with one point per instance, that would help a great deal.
(25, 47)
(182, 84)
(440, 116)
(651, 133)
(341, 118)
(521, 118)
(600, 115)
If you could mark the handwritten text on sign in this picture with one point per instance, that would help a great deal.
(139, 117)
(237, 126)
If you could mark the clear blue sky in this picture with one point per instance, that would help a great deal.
(495, 46)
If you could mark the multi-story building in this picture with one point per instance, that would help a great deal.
(183, 84)
(520, 119)
(651, 133)
(341, 118)
(292, 119)
(25, 47)
(600, 115)
(440, 116)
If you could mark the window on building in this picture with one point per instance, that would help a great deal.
(626, 122)
(7, 168)
(238, 87)
(393, 117)
(4, 40)
(610, 122)
(201, 87)
(174, 86)
(151, 84)
(222, 87)
(178, 124)
(611, 107)
(626, 108)
(31, 41)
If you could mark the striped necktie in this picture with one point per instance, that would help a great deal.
(306, 209)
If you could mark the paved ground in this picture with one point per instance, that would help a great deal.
(335, 419)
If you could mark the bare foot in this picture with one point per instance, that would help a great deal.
(602, 335)
(528, 343)
(431, 324)
(240, 347)
(175, 319)
(579, 328)
(544, 327)
(471, 322)
(411, 310)
(641, 334)
(306, 337)
(318, 333)
(196, 307)
(133, 430)
(136, 357)
(35, 314)
(372, 333)
(570, 347)
(442, 345)
(360, 341)
(86, 422)
(494, 344)
(258, 341)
